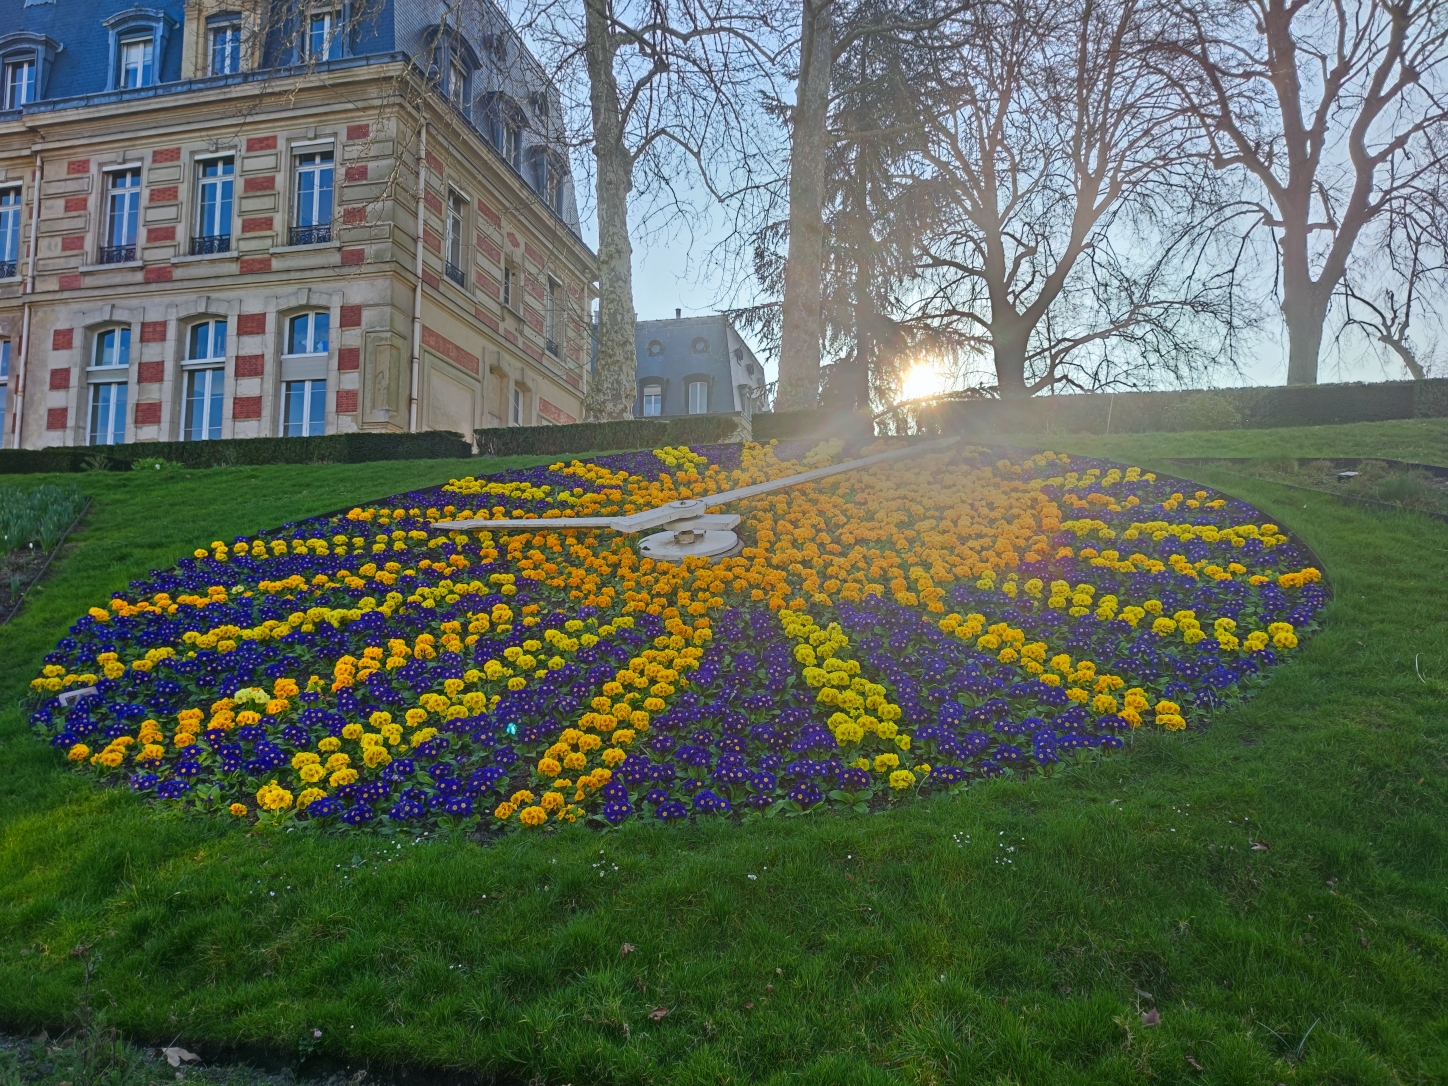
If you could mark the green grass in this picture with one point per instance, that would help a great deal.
(910, 946)
(1421, 441)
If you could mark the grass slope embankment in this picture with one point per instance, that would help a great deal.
(1014, 933)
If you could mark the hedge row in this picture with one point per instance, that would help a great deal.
(354, 448)
(1217, 409)
(581, 437)
(797, 425)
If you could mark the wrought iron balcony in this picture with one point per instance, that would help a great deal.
(310, 235)
(456, 274)
(211, 243)
(117, 254)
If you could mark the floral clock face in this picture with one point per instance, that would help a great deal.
(884, 634)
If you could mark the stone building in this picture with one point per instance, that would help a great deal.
(281, 219)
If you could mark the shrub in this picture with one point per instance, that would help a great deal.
(581, 437)
(794, 425)
(355, 448)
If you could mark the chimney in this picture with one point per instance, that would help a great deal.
(678, 314)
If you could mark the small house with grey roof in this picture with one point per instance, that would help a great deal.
(696, 366)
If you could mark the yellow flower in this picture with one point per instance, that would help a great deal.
(79, 753)
(503, 811)
(312, 773)
(886, 761)
(901, 778)
(271, 797)
(238, 809)
(342, 778)
(308, 797)
(533, 816)
(376, 756)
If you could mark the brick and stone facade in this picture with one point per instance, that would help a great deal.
(468, 359)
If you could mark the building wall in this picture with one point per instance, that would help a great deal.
(473, 351)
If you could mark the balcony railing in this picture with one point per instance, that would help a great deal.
(310, 235)
(211, 243)
(117, 254)
(456, 274)
(9, 269)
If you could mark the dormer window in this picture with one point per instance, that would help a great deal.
(504, 126)
(138, 46)
(323, 39)
(19, 82)
(224, 42)
(548, 178)
(138, 62)
(25, 59)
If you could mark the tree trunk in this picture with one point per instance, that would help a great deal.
(865, 345)
(612, 388)
(799, 354)
(1405, 353)
(1304, 300)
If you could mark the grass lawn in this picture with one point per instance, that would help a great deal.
(1016, 933)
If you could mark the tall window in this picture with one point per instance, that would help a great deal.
(123, 206)
(137, 56)
(457, 84)
(204, 385)
(324, 36)
(19, 83)
(9, 233)
(113, 349)
(653, 400)
(456, 227)
(698, 397)
(110, 364)
(517, 407)
(550, 317)
(313, 225)
(225, 45)
(4, 386)
(304, 409)
(510, 286)
(213, 207)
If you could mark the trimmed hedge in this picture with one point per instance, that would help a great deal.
(356, 448)
(581, 437)
(797, 425)
(1214, 409)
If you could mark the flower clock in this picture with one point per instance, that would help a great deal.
(448, 657)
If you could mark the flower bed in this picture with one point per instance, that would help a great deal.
(884, 634)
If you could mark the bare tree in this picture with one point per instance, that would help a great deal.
(1073, 241)
(1402, 275)
(670, 87)
(1335, 108)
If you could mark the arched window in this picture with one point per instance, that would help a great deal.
(655, 348)
(701, 345)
